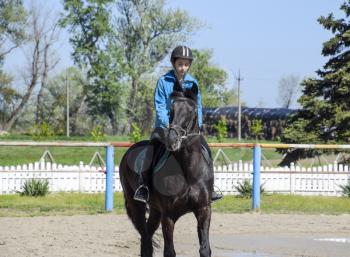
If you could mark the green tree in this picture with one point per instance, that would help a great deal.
(13, 18)
(256, 128)
(211, 79)
(221, 129)
(325, 113)
(146, 32)
(90, 23)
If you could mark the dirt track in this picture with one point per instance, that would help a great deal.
(231, 235)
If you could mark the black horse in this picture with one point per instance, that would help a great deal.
(184, 187)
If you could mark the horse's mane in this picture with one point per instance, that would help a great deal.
(184, 94)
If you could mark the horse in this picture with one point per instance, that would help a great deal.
(184, 189)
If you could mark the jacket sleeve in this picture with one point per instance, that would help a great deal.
(160, 104)
(200, 111)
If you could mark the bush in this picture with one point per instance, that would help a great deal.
(245, 190)
(257, 128)
(97, 133)
(35, 187)
(42, 131)
(221, 129)
(135, 135)
(346, 189)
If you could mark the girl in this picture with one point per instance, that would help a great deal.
(181, 59)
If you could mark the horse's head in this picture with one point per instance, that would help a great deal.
(183, 116)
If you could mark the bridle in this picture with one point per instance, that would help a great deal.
(182, 133)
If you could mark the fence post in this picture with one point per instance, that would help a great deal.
(109, 177)
(256, 177)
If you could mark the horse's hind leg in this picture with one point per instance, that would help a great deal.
(137, 213)
(203, 217)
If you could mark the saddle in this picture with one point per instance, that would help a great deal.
(160, 158)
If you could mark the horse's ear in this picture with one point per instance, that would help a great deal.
(177, 87)
(194, 88)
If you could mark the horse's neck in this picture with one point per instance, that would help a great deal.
(190, 157)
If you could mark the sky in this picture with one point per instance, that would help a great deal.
(264, 39)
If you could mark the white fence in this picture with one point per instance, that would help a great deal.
(321, 180)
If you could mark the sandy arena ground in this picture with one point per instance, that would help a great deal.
(239, 235)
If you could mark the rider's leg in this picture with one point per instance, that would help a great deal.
(214, 196)
(142, 192)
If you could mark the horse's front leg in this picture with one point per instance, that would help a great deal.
(203, 217)
(168, 231)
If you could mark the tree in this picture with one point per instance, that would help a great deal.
(257, 128)
(325, 113)
(37, 51)
(90, 23)
(146, 32)
(55, 96)
(13, 18)
(211, 79)
(288, 87)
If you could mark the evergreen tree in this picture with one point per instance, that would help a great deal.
(325, 101)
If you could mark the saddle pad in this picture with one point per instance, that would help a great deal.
(142, 159)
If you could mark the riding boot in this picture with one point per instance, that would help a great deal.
(207, 155)
(215, 196)
(142, 192)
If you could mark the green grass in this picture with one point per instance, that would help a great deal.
(278, 203)
(57, 204)
(91, 204)
(12, 155)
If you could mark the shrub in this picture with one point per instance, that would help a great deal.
(346, 189)
(97, 133)
(35, 187)
(42, 131)
(135, 134)
(245, 189)
(257, 128)
(221, 129)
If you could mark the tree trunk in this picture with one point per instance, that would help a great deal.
(132, 112)
(34, 78)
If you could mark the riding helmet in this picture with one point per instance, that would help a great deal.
(183, 52)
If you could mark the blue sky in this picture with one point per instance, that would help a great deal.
(265, 39)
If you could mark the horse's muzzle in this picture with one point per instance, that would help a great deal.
(173, 142)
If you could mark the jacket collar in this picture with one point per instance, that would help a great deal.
(171, 75)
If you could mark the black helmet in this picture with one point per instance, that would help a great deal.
(183, 52)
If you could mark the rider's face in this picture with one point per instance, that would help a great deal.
(181, 66)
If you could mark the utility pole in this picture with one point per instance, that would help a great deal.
(239, 79)
(67, 95)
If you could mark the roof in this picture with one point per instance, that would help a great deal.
(231, 112)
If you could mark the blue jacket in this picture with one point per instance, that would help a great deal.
(162, 102)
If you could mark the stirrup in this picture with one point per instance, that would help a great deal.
(138, 196)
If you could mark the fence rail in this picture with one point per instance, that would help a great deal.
(319, 180)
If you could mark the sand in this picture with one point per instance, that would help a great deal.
(270, 235)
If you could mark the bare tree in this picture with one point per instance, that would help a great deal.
(49, 38)
(41, 40)
(288, 87)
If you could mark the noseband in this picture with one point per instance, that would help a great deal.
(182, 133)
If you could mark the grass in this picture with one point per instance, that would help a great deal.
(12, 155)
(91, 204)
(57, 204)
(292, 204)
